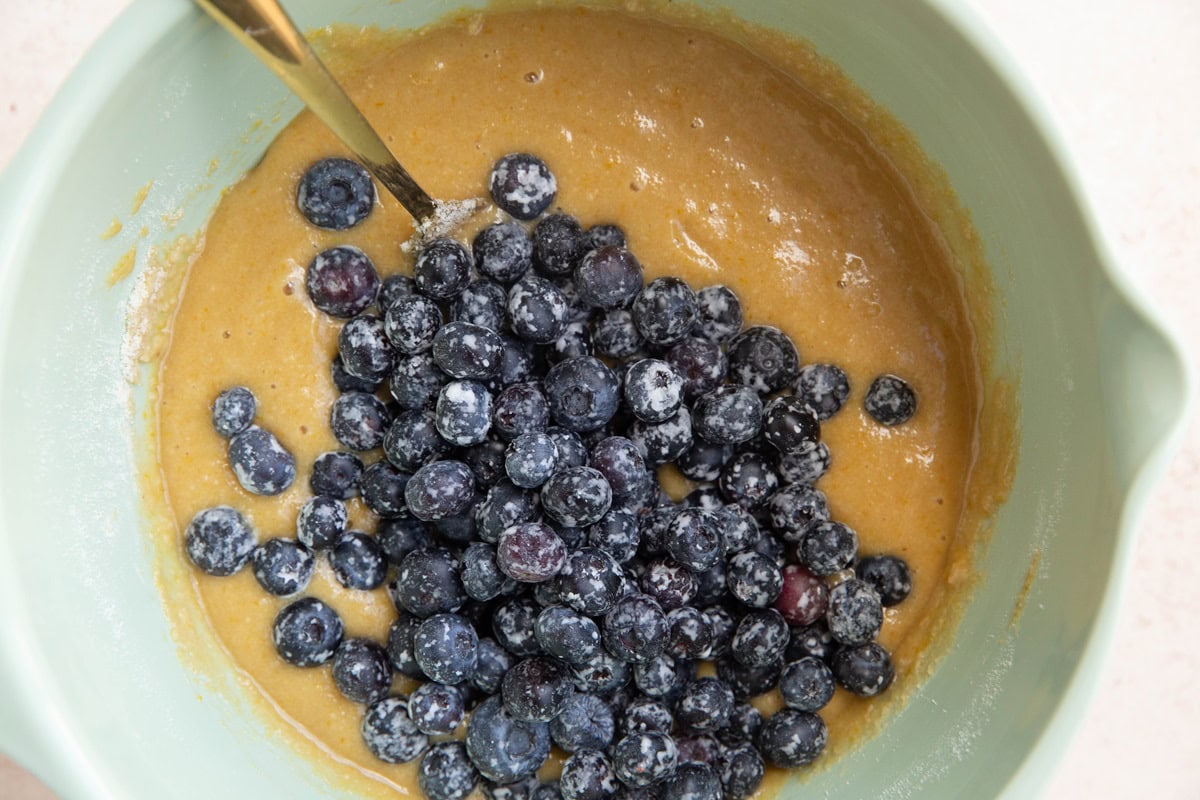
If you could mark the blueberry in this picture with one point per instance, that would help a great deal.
(604, 235)
(653, 390)
(805, 465)
(694, 539)
(608, 277)
(728, 415)
(744, 722)
(463, 350)
(790, 425)
(576, 496)
(342, 281)
(763, 358)
(723, 625)
(537, 310)
(602, 673)
(572, 452)
(760, 638)
(483, 303)
(619, 460)
(486, 459)
(582, 393)
(827, 547)
(365, 349)
(399, 536)
(577, 310)
(704, 706)
(335, 194)
(514, 624)
(428, 582)
(705, 498)
(358, 562)
(531, 552)
(233, 411)
(531, 459)
(503, 252)
(481, 578)
(668, 583)
(866, 669)
(321, 522)
(343, 381)
(463, 415)
(692, 781)
(399, 645)
(411, 323)
(382, 487)
(754, 579)
(803, 597)
(643, 759)
(655, 530)
(567, 635)
(390, 734)
(615, 335)
(445, 647)
(504, 506)
(359, 420)
(719, 314)
(412, 440)
(794, 509)
(436, 709)
(888, 575)
(307, 632)
(792, 738)
(442, 269)
(392, 289)
(749, 479)
(575, 341)
(502, 747)
(663, 677)
(812, 640)
(890, 400)
(749, 681)
(665, 310)
(440, 489)
(646, 714)
(689, 635)
(492, 664)
(520, 408)
(522, 185)
(446, 772)
(740, 530)
(362, 671)
(585, 723)
(700, 363)
(806, 684)
(283, 566)
(416, 381)
(590, 582)
(260, 463)
(635, 629)
(741, 770)
(557, 244)
(588, 775)
(663, 442)
(855, 614)
(520, 361)
(536, 689)
(822, 387)
(616, 534)
(219, 541)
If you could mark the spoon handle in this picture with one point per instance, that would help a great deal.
(264, 28)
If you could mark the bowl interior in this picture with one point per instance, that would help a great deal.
(103, 699)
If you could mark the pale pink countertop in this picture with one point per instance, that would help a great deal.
(1122, 78)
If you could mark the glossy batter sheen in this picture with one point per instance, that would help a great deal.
(721, 168)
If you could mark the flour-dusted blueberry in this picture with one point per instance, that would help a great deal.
(635, 629)
(557, 244)
(365, 349)
(619, 460)
(399, 645)
(665, 310)
(576, 496)
(382, 487)
(698, 748)
(590, 582)
(503, 252)
(889, 575)
(694, 539)
(754, 579)
(805, 465)
(719, 314)
(790, 425)
(514, 624)
(655, 528)
(588, 775)
(728, 415)
(582, 393)
(442, 269)
(812, 640)
(459, 529)
(741, 770)
(481, 578)
(321, 522)
(362, 671)
(343, 381)
(617, 533)
(491, 665)
(358, 562)
(463, 414)
(701, 364)
(411, 323)
(484, 303)
(436, 709)
(749, 681)
(890, 400)
(342, 281)
(520, 408)
(416, 381)
(794, 509)
(585, 723)
(260, 463)
(486, 459)
(705, 498)
(392, 288)
(233, 411)
(663, 442)
(744, 723)
(692, 781)
(645, 758)
(522, 185)
(537, 310)
(653, 390)
(827, 547)
(792, 738)
(703, 461)
(536, 689)
(615, 335)
(572, 452)
(412, 440)
(855, 614)
(865, 669)
(806, 684)
(219, 541)
(608, 277)
(670, 584)
(603, 235)
(601, 674)
(520, 362)
(567, 635)
(282, 566)
(740, 530)
(446, 772)
(446, 647)
(335, 474)
(440, 489)
(502, 747)
(359, 420)
(704, 706)
(723, 625)
(772, 547)
(763, 358)
(463, 350)
(306, 632)
(504, 505)
(335, 194)
(689, 635)
(803, 598)
(822, 387)
(646, 714)
(531, 459)
(428, 582)
(390, 734)
(575, 341)
(760, 638)
(399, 536)
(531, 552)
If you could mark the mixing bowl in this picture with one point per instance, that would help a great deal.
(97, 698)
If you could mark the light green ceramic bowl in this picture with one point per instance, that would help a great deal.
(93, 696)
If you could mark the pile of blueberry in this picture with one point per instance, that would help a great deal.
(523, 393)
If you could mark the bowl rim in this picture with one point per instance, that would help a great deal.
(35, 730)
